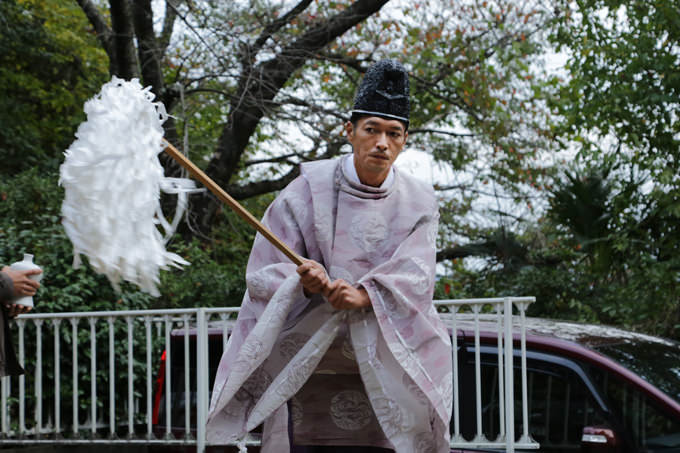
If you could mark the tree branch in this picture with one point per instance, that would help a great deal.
(253, 189)
(313, 107)
(275, 26)
(260, 84)
(461, 251)
(104, 33)
(437, 131)
(272, 160)
(341, 59)
(168, 26)
(147, 48)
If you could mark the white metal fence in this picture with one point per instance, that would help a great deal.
(107, 363)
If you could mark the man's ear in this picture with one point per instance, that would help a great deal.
(349, 129)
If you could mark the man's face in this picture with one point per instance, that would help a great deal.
(377, 142)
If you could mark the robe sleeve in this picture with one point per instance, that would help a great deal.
(290, 218)
(401, 291)
(268, 268)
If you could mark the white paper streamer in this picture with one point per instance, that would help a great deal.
(112, 179)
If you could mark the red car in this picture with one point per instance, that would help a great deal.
(590, 388)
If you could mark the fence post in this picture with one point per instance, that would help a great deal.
(526, 437)
(202, 372)
(38, 378)
(509, 382)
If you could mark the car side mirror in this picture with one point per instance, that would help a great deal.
(599, 439)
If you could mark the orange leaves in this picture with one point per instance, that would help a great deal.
(527, 16)
(431, 35)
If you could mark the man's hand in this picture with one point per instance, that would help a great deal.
(314, 278)
(344, 296)
(23, 285)
(16, 309)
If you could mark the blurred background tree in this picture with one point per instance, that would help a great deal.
(554, 180)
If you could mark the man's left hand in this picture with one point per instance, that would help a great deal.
(343, 296)
(14, 310)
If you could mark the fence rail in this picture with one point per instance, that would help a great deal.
(107, 362)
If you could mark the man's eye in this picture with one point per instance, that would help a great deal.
(395, 135)
(370, 130)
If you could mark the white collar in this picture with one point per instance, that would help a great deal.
(353, 176)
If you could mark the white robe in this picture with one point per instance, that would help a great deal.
(376, 377)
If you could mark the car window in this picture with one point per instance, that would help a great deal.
(649, 427)
(657, 362)
(559, 404)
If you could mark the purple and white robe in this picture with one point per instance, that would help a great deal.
(379, 376)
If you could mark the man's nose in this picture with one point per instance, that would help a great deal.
(381, 144)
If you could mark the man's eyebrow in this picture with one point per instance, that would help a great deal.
(375, 123)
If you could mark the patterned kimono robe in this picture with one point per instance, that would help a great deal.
(379, 376)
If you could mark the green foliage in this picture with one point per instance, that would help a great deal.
(582, 206)
(625, 81)
(606, 249)
(49, 65)
(606, 252)
(31, 224)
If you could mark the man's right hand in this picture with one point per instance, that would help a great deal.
(314, 278)
(23, 285)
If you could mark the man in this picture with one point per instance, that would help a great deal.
(346, 349)
(13, 284)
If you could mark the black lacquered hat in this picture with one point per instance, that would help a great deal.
(383, 92)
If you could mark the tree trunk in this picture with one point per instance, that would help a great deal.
(123, 39)
(259, 84)
(147, 47)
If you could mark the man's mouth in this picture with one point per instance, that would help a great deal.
(380, 156)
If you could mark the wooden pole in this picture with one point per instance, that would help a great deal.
(227, 199)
